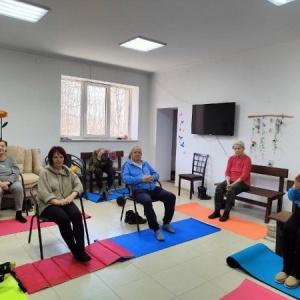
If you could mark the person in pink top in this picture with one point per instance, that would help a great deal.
(237, 180)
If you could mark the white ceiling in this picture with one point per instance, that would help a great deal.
(195, 30)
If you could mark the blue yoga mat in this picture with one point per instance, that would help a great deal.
(144, 242)
(263, 264)
(95, 197)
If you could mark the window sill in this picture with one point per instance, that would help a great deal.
(67, 140)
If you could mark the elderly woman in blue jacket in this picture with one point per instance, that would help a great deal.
(141, 177)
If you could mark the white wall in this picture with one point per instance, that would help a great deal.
(164, 143)
(262, 82)
(30, 93)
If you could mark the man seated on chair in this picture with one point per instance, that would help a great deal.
(100, 163)
(9, 181)
(142, 179)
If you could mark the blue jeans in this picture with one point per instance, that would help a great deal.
(230, 194)
(146, 197)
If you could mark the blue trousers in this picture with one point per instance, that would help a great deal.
(146, 197)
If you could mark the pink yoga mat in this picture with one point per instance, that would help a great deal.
(47, 267)
(60, 268)
(11, 226)
(249, 290)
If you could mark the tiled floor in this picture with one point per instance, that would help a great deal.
(193, 270)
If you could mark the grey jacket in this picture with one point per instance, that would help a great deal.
(9, 170)
(53, 185)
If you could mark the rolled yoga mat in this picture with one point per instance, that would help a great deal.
(263, 264)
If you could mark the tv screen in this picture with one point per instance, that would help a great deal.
(213, 119)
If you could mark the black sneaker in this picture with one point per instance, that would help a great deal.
(141, 220)
(82, 256)
(129, 215)
(136, 219)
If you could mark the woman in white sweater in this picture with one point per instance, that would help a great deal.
(58, 186)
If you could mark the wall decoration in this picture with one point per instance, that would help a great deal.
(265, 135)
(181, 130)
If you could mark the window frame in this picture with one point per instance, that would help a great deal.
(132, 122)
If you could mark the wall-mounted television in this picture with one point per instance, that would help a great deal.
(213, 119)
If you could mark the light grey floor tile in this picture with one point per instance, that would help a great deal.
(146, 289)
(178, 279)
(193, 270)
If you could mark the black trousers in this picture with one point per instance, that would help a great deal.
(291, 245)
(110, 171)
(146, 197)
(69, 221)
(230, 194)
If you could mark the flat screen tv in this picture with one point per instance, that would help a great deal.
(213, 119)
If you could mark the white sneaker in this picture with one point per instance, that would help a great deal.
(109, 192)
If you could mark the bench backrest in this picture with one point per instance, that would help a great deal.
(281, 173)
(86, 156)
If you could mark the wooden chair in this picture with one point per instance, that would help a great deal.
(40, 220)
(198, 172)
(131, 198)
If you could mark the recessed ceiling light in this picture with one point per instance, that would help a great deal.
(280, 2)
(142, 44)
(22, 10)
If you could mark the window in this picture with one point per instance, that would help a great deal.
(97, 110)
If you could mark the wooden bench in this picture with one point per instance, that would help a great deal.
(86, 156)
(281, 218)
(271, 195)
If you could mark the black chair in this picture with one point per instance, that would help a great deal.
(73, 160)
(198, 172)
(39, 220)
(122, 202)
